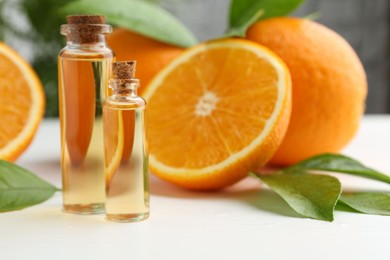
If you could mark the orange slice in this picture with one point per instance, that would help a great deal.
(22, 103)
(216, 112)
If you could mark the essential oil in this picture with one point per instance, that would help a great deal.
(126, 156)
(84, 67)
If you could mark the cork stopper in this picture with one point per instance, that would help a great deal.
(124, 84)
(124, 69)
(85, 29)
(86, 19)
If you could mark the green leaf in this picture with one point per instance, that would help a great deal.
(20, 188)
(376, 203)
(311, 195)
(243, 13)
(240, 29)
(339, 163)
(140, 16)
(341, 206)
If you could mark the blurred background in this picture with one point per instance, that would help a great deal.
(31, 27)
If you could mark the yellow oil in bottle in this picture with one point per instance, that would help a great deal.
(83, 78)
(125, 147)
(127, 184)
(84, 68)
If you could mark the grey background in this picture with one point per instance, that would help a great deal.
(364, 23)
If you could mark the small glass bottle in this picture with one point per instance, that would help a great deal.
(84, 68)
(126, 155)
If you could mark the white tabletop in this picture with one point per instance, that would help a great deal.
(245, 221)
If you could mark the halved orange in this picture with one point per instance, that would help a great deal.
(22, 103)
(217, 111)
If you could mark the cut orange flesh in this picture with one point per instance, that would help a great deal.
(216, 112)
(22, 103)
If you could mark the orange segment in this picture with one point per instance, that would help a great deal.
(216, 112)
(22, 103)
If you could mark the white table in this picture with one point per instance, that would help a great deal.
(242, 222)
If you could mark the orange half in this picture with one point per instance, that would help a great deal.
(216, 112)
(22, 103)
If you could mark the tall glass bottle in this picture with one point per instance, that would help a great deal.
(126, 156)
(84, 68)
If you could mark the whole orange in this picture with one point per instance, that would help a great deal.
(151, 55)
(329, 86)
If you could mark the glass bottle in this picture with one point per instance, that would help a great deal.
(126, 155)
(84, 68)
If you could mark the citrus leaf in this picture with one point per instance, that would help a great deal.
(339, 163)
(139, 16)
(240, 30)
(243, 13)
(20, 188)
(341, 206)
(376, 203)
(311, 195)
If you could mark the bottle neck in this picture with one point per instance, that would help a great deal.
(76, 42)
(123, 89)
